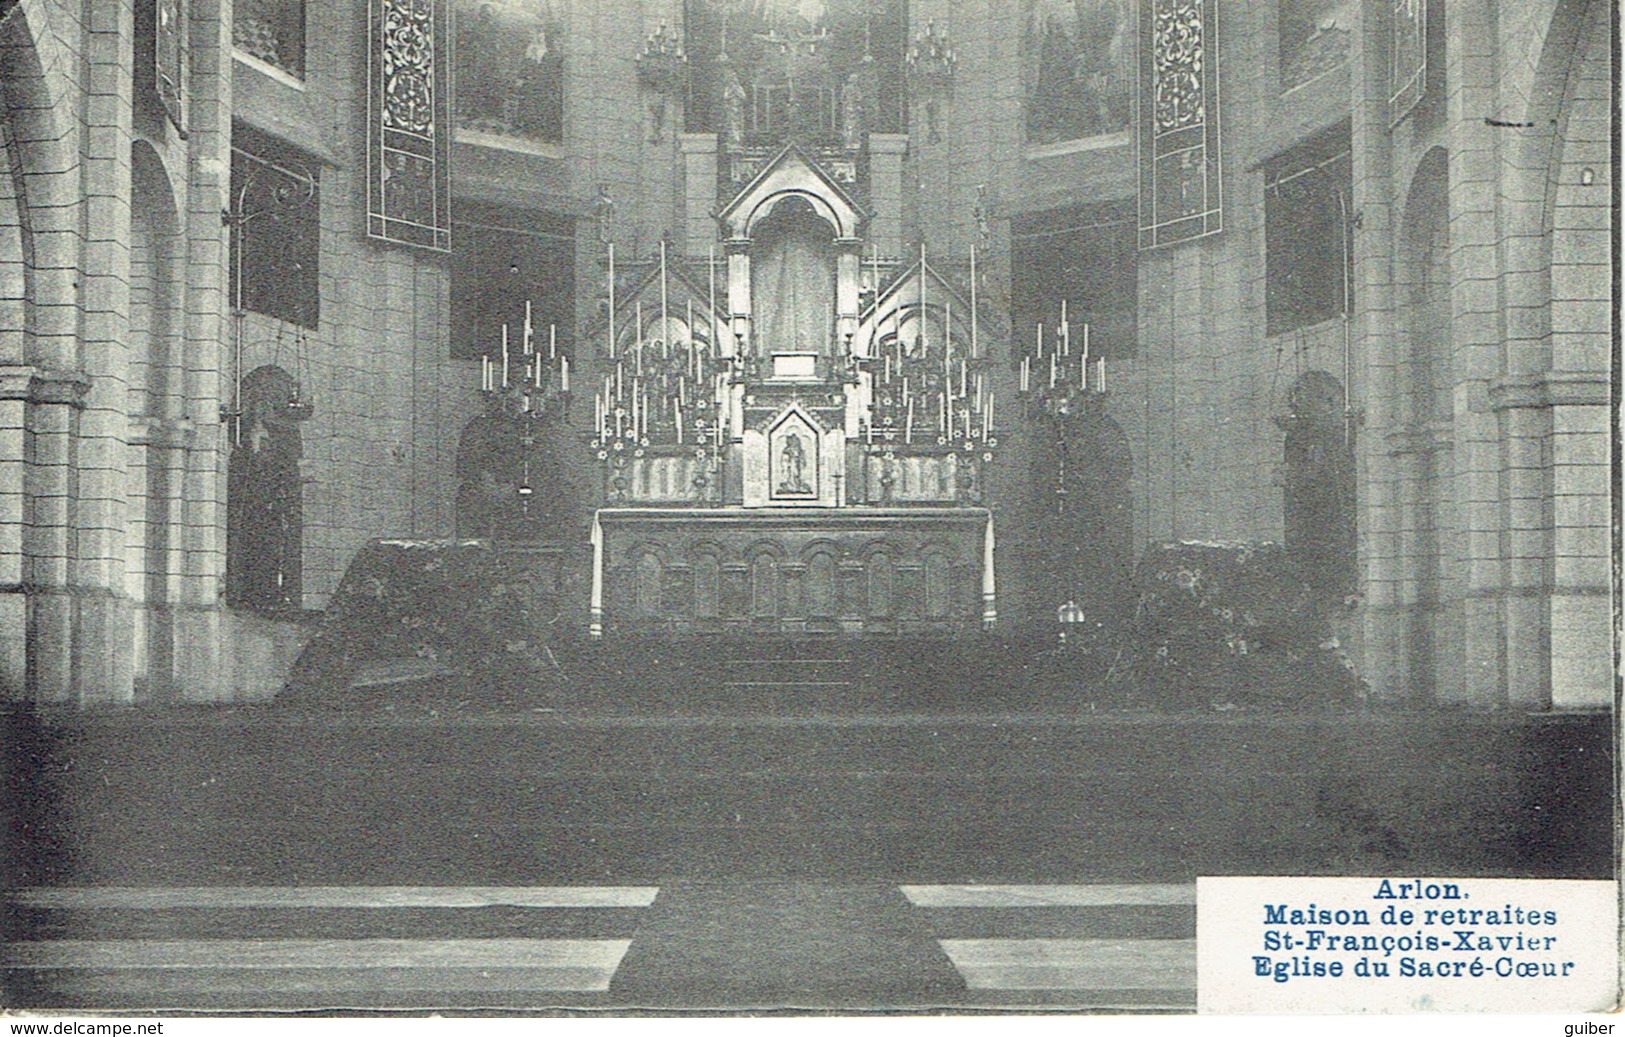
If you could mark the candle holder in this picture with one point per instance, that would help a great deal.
(1061, 379)
(662, 69)
(533, 385)
(931, 61)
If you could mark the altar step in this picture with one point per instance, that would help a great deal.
(789, 676)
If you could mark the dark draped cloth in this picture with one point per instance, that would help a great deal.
(793, 286)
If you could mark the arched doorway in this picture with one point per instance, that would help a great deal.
(1431, 583)
(264, 504)
(1081, 479)
(1319, 497)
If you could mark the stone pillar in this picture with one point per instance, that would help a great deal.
(199, 534)
(696, 224)
(103, 634)
(1373, 370)
(13, 595)
(886, 152)
(1477, 333)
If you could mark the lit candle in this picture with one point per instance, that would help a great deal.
(908, 426)
(987, 418)
(1052, 370)
(1026, 372)
(677, 419)
(948, 329)
(1040, 353)
(536, 369)
(552, 341)
(1100, 375)
(1086, 342)
(504, 356)
(485, 372)
(564, 374)
(1066, 332)
(612, 300)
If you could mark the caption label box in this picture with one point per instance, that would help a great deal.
(1405, 944)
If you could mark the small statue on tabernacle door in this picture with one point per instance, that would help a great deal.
(733, 107)
(793, 462)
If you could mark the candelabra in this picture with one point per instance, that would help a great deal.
(929, 393)
(1063, 378)
(530, 385)
(662, 68)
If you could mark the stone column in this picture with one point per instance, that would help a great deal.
(886, 152)
(1477, 334)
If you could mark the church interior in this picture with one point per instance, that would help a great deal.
(1169, 363)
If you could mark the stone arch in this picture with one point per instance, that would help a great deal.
(156, 260)
(1428, 532)
(765, 601)
(156, 401)
(815, 204)
(820, 581)
(264, 503)
(41, 158)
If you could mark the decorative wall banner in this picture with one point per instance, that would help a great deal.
(1180, 195)
(1407, 70)
(409, 124)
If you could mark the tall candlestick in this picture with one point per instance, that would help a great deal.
(973, 352)
(612, 300)
(665, 332)
(711, 276)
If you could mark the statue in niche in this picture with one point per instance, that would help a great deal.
(733, 107)
(793, 467)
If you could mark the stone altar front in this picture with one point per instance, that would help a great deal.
(793, 571)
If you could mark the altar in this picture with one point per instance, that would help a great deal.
(872, 572)
(791, 434)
